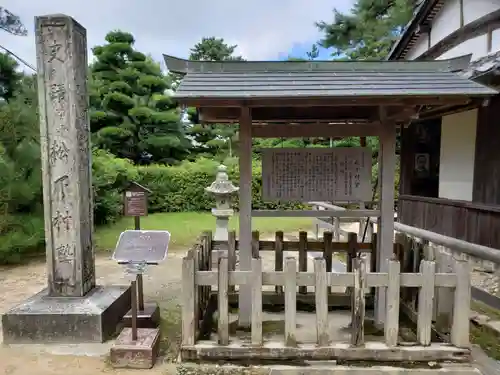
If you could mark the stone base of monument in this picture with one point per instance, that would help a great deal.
(136, 354)
(147, 318)
(43, 319)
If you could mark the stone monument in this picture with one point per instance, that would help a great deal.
(221, 188)
(72, 308)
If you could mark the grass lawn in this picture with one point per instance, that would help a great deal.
(185, 227)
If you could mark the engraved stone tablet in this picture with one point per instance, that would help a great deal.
(317, 174)
(136, 246)
(65, 147)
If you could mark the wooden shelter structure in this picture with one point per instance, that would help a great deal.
(292, 99)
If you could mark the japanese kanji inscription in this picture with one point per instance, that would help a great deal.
(317, 174)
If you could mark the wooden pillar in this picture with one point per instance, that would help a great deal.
(245, 215)
(387, 169)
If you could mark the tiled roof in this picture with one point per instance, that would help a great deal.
(324, 79)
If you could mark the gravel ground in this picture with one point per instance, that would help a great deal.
(162, 284)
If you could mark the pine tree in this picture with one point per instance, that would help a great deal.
(369, 30)
(212, 139)
(132, 115)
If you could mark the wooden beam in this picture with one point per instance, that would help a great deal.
(446, 110)
(245, 215)
(288, 114)
(355, 101)
(473, 29)
(371, 351)
(316, 213)
(315, 130)
(387, 168)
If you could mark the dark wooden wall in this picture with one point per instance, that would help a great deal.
(413, 143)
(468, 221)
(477, 221)
(486, 187)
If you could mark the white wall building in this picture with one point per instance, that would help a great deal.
(465, 160)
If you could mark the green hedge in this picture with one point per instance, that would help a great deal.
(182, 188)
(174, 189)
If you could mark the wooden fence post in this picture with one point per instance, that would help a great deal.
(426, 302)
(321, 298)
(290, 301)
(188, 301)
(328, 253)
(255, 244)
(352, 250)
(231, 255)
(460, 328)
(417, 258)
(256, 286)
(358, 301)
(278, 257)
(373, 257)
(303, 257)
(222, 289)
(207, 243)
(443, 309)
(196, 255)
(336, 228)
(399, 246)
(391, 326)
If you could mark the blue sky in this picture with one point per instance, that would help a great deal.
(301, 49)
(262, 29)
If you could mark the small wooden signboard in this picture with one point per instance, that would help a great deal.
(135, 202)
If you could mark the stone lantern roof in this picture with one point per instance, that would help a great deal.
(222, 184)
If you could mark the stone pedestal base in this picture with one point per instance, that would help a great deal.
(138, 354)
(44, 319)
(147, 318)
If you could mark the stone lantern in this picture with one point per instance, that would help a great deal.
(221, 188)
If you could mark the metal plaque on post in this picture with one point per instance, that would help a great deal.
(137, 246)
(136, 249)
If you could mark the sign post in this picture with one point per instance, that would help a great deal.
(135, 203)
(136, 346)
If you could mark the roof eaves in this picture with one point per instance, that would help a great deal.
(181, 66)
(422, 14)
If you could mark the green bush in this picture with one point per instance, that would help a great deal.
(22, 234)
(182, 187)
(109, 177)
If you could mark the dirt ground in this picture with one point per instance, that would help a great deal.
(162, 284)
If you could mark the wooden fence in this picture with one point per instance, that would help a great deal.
(485, 261)
(304, 246)
(286, 280)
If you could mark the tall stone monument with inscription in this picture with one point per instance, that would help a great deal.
(72, 307)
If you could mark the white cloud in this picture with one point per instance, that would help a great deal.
(261, 28)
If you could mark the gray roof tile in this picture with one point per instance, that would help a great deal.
(246, 80)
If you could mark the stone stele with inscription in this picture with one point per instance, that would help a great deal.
(72, 308)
